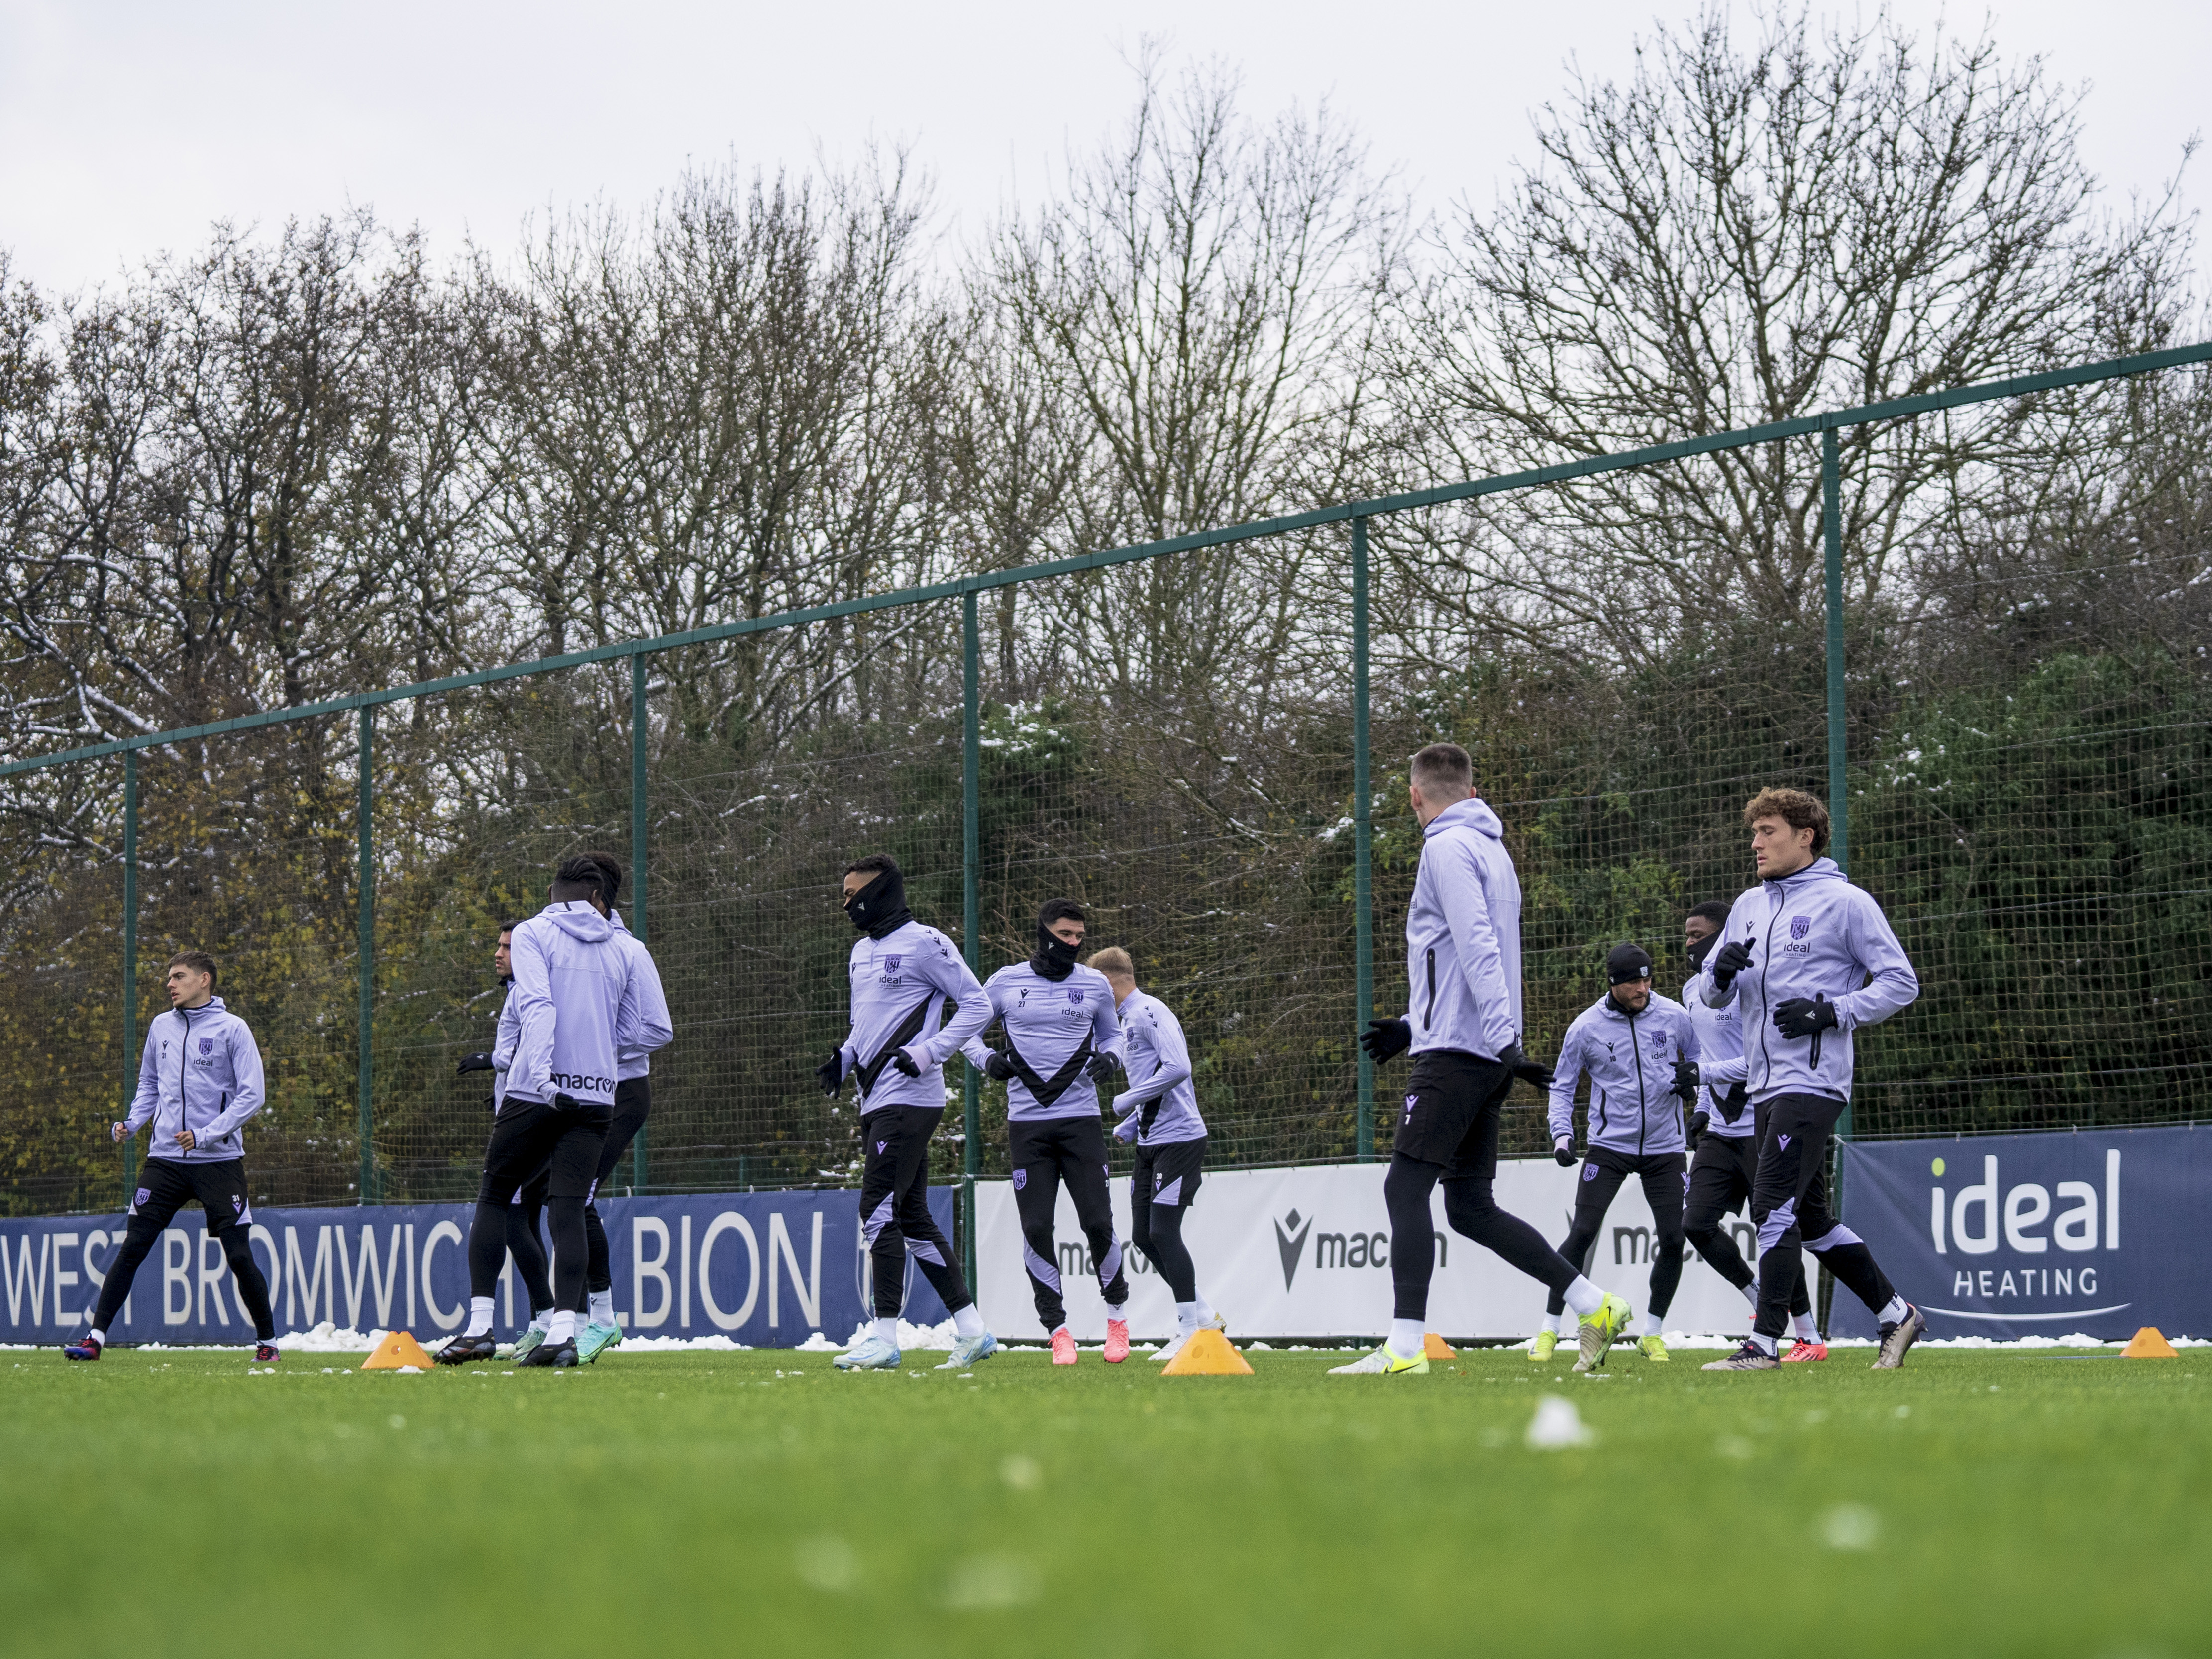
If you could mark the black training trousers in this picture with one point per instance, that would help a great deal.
(526, 1243)
(168, 1186)
(633, 1105)
(1045, 1151)
(1161, 1187)
(1720, 1184)
(1664, 1175)
(1790, 1206)
(1449, 1132)
(895, 1218)
(530, 1137)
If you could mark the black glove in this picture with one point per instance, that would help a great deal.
(1527, 1070)
(562, 1102)
(1732, 960)
(1804, 1017)
(1732, 1102)
(905, 1064)
(831, 1073)
(1698, 1123)
(1386, 1039)
(1098, 1067)
(475, 1063)
(1685, 1078)
(997, 1067)
(1563, 1154)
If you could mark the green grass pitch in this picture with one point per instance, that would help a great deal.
(168, 1503)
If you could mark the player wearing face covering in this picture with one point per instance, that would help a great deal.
(1061, 1040)
(1724, 1135)
(902, 975)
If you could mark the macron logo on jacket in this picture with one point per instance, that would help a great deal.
(1463, 935)
(200, 1070)
(1812, 934)
(573, 1004)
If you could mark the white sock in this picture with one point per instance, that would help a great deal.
(1646, 1324)
(1407, 1338)
(1557, 1323)
(1802, 1327)
(1767, 1344)
(1206, 1314)
(969, 1321)
(101, 1337)
(540, 1318)
(1056, 1331)
(1892, 1311)
(1117, 1315)
(887, 1330)
(562, 1327)
(1583, 1297)
(1186, 1318)
(603, 1307)
(1751, 1295)
(479, 1316)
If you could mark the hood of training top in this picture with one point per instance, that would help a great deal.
(647, 1017)
(1053, 1026)
(900, 983)
(1630, 1061)
(572, 996)
(1720, 1054)
(1157, 1060)
(1464, 935)
(200, 1070)
(1812, 934)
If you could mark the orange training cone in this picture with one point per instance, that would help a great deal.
(2150, 1343)
(1208, 1354)
(399, 1349)
(1435, 1347)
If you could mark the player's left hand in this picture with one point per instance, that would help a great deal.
(1685, 1078)
(905, 1064)
(1098, 1067)
(119, 1132)
(1528, 1071)
(1700, 1121)
(1126, 1130)
(1386, 1039)
(186, 1141)
(1801, 1016)
(1563, 1154)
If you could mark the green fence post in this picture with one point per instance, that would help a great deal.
(1832, 532)
(638, 735)
(129, 962)
(365, 909)
(1839, 809)
(1363, 845)
(971, 883)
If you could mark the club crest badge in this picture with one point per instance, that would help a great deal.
(207, 1045)
(1074, 994)
(1021, 1179)
(1590, 1172)
(1800, 925)
(145, 1193)
(890, 963)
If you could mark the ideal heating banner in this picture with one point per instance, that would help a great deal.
(1306, 1253)
(766, 1269)
(2100, 1232)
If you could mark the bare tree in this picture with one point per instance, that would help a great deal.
(1743, 234)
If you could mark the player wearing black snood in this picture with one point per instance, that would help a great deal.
(902, 974)
(1061, 1041)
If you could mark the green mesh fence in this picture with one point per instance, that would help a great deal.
(2026, 751)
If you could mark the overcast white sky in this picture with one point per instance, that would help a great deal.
(127, 127)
